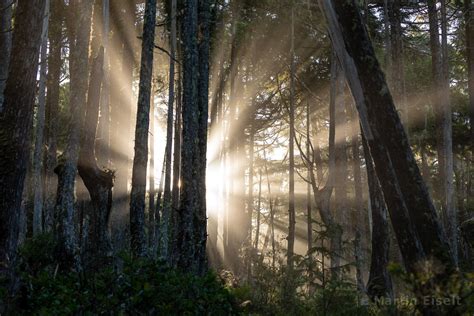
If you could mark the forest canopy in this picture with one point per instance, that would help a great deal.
(205, 157)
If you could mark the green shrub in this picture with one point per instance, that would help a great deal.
(139, 287)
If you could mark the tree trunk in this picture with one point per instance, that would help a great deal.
(340, 173)
(79, 35)
(291, 180)
(39, 131)
(151, 179)
(469, 25)
(98, 182)
(52, 109)
(5, 43)
(103, 147)
(203, 107)
(358, 217)
(257, 230)
(166, 215)
(380, 283)
(137, 198)
(16, 125)
(412, 212)
(450, 212)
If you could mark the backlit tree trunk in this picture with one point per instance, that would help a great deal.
(79, 34)
(137, 198)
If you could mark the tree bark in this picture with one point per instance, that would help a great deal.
(16, 125)
(137, 198)
(98, 182)
(166, 215)
(469, 25)
(203, 106)
(379, 284)
(450, 212)
(5, 43)
(79, 28)
(39, 131)
(52, 109)
(404, 190)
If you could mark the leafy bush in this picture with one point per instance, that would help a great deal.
(138, 287)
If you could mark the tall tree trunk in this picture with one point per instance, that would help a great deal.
(469, 25)
(412, 212)
(189, 202)
(103, 154)
(203, 107)
(166, 216)
(358, 217)
(137, 198)
(52, 109)
(151, 178)
(259, 200)
(39, 131)
(291, 180)
(380, 283)
(450, 212)
(79, 28)
(16, 125)
(309, 208)
(5, 43)
(340, 174)
(98, 182)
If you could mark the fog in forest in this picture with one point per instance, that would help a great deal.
(234, 157)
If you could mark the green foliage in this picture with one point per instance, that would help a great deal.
(136, 287)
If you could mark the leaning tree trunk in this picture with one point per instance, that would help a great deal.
(380, 283)
(137, 199)
(98, 182)
(16, 125)
(79, 33)
(52, 109)
(5, 43)
(413, 215)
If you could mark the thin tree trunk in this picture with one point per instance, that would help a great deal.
(103, 154)
(291, 180)
(340, 174)
(151, 178)
(79, 35)
(166, 217)
(358, 218)
(450, 213)
(5, 43)
(309, 217)
(137, 197)
(39, 131)
(469, 25)
(52, 109)
(257, 230)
